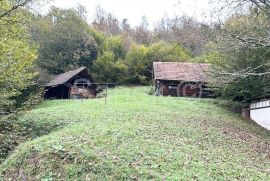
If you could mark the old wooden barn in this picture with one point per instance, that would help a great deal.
(181, 79)
(74, 84)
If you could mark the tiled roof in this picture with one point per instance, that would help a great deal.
(193, 72)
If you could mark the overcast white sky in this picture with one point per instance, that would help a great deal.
(133, 10)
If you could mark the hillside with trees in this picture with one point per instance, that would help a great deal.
(35, 47)
(46, 45)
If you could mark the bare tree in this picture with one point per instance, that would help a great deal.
(262, 6)
(184, 30)
(106, 22)
(255, 14)
(142, 33)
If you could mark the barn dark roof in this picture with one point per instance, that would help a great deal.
(192, 72)
(64, 77)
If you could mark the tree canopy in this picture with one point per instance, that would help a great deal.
(17, 56)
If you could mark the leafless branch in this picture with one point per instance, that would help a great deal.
(18, 4)
(243, 73)
(263, 5)
(247, 40)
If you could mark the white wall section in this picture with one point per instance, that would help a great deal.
(260, 113)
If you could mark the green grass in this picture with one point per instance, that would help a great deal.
(139, 137)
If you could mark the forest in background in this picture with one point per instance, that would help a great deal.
(34, 48)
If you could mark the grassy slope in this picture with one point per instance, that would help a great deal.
(137, 136)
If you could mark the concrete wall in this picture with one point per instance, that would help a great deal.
(260, 113)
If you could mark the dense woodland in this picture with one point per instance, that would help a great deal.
(34, 48)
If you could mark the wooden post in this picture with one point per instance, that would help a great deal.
(246, 113)
(161, 86)
(106, 94)
(69, 92)
(62, 92)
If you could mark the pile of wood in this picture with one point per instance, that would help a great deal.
(81, 93)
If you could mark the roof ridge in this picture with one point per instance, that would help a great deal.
(64, 77)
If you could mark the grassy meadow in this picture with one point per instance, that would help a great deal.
(137, 136)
